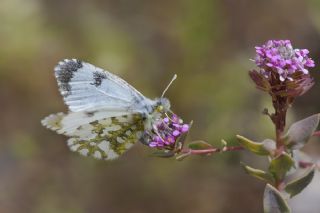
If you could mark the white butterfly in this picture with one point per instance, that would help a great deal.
(107, 115)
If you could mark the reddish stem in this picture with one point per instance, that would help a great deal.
(304, 164)
(281, 104)
(316, 133)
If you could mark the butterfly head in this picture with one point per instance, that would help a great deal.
(162, 105)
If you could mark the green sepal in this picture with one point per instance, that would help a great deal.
(199, 145)
(259, 174)
(181, 140)
(300, 132)
(296, 186)
(255, 147)
(273, 201)
(280, 165)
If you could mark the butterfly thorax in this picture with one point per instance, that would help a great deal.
(160, 108)
(163, 104)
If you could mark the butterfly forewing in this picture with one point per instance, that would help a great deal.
(86, 87)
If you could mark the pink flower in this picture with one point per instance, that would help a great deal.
(278, 56)
(282, 70)
(166, 131)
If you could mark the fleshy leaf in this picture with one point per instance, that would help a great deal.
(199, 145)
(296, 186)
(280, 165)
(261, 175)
(273, 202)
(255, 147)
(300, 132)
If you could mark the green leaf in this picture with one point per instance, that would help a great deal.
(273, 202)
(280, 165)
(256, 147)
(261, 175)
(163, 154)
(199, 145)
(300, 132)
(297, 185)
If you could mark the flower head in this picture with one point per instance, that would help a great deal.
(282, 70)
(279, 56)
(166, 132)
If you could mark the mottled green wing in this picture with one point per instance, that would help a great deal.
(110, 137)
(105, 138)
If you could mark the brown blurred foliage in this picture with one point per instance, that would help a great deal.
(207, 43)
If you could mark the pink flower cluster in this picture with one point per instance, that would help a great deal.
(167, 131)
(280, 57)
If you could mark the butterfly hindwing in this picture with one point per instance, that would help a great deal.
(105, 138)
(111, 137)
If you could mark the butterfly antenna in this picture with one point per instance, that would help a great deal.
(172, 80)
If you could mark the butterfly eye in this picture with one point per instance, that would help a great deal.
(160, 108)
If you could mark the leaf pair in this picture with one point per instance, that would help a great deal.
(297, 136)
(278, 168)
(273, 199)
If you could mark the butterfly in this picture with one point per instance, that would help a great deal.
(106, 114)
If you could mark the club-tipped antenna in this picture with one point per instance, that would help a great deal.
(172, 80)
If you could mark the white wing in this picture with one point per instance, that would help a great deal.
(89, 88)
(96, 135)
(68, 124)
(106, 112)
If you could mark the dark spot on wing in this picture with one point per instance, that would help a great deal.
(64, 73)
(98, 77)
(90, 114)
(144, 116)
(79, 128)
(137, 100)
(96, 122)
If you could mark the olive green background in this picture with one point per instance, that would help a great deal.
(208, 44)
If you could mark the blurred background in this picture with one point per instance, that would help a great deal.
(207, 43)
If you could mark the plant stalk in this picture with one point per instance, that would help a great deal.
(212, 150)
